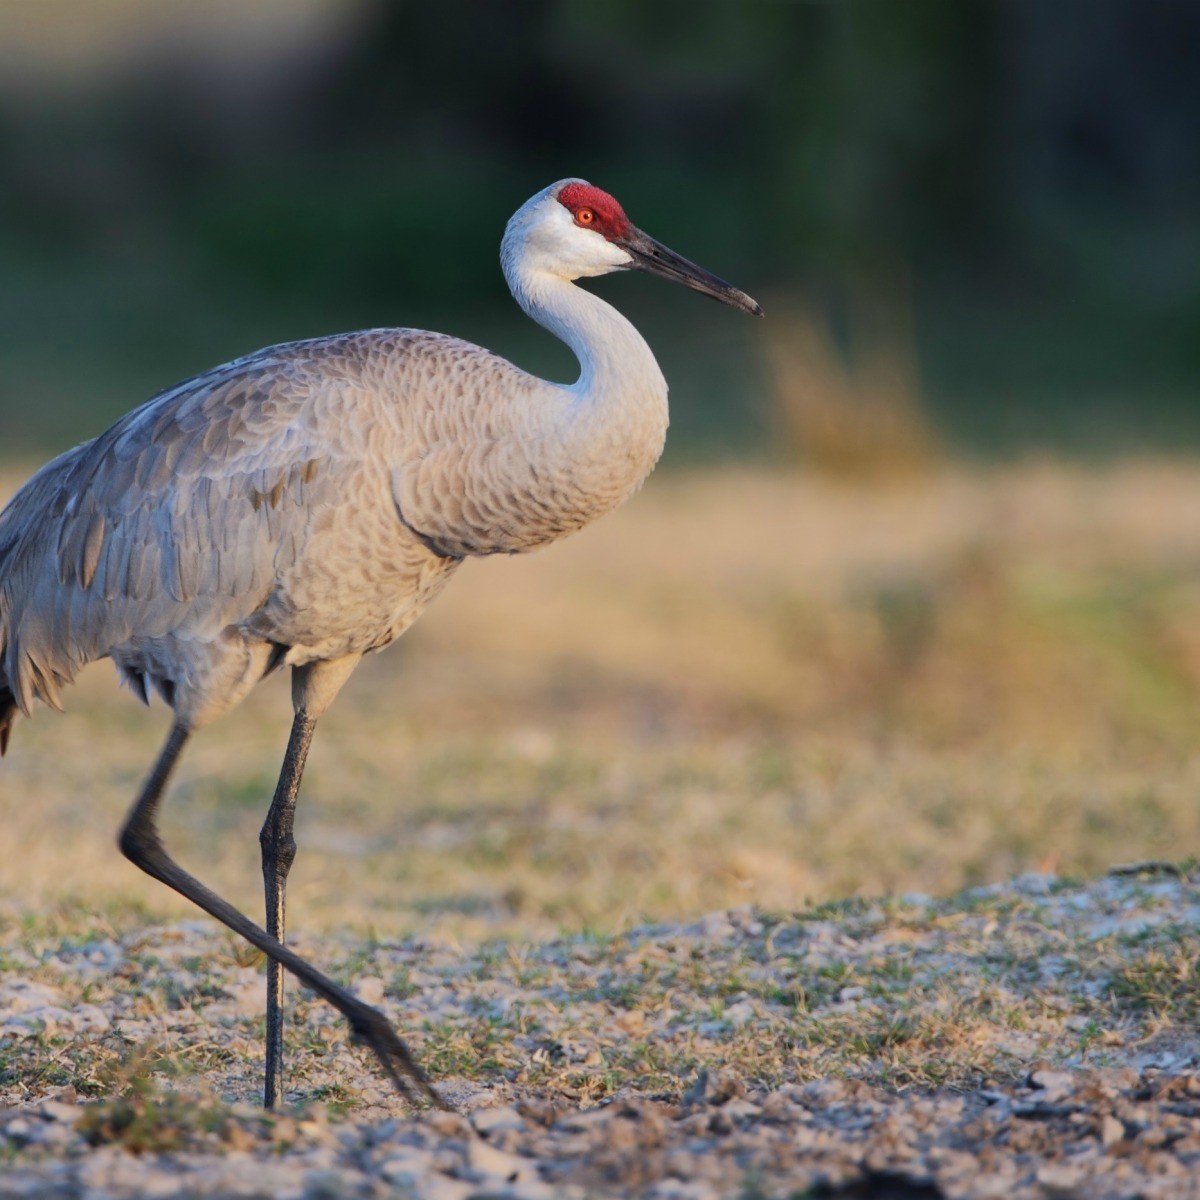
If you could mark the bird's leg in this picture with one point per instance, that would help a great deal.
(140, 843)
(278, 853)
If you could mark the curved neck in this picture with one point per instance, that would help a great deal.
(614, 360)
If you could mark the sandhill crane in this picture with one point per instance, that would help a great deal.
(302, 505)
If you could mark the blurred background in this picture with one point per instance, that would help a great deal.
(912, 601)
(999, 203)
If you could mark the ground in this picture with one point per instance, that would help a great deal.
(802, 708)
(1026, 1040)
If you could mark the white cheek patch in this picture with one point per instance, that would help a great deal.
(562, 248)
(587, 252)
(607, 256)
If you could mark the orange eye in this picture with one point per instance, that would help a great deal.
(585, 216)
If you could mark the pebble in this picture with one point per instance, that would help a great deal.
(59, 1110)
(740, 1013)
(1125, 1129)
(488, 1121)
(1061, 1179)
(440, 1187)
(713, 1087)
(678, 1189)
(406, 1167)
(486, 1163)
(717, 927)
(1112, 1131)
(19, 1131)
(1052, 1085)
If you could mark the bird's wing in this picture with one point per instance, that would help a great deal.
(177, 519)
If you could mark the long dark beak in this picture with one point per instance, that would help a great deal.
(655, 259)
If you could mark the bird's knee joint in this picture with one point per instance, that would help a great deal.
(278, 852)
(139, 843)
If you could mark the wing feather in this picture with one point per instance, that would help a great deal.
(181, 516)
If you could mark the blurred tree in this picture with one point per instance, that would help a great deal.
(1023, 176)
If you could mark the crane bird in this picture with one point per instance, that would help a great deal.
(303, 504)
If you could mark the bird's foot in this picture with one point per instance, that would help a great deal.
(371, 1028)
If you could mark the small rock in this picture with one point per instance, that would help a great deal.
(821, 1093)
(89, 1018)
(713, 1087)
(486, 1162)
(679, 1189)
(632, 1022)
(440, 1187)
(1112, 1131)
(719, 1123)
(23, 995)
(406, 1167)
(56, 1110)
(717, 927)
(488, 1121)
(448, 1124)
(1060, 1179)
(740, 1013)
(244, 995)
(743, 918)
(777, 1107)
(741, 1108)
(533, 1189)
(56, 1136)
(329, 1183)
(19, 1130)
(1056, 1085)
(582, 1121)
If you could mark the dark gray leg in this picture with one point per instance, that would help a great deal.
(140, 843)
(278, 854)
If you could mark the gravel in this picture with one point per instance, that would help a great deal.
(1034, 1039)
(1100, 1133)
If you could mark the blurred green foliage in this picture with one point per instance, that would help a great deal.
(1021, 178)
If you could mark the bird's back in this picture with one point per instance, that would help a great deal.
(181, 521)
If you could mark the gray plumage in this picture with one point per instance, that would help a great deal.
(313, 496)
(303, 505)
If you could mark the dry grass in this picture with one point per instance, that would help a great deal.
(854, 412)
(742, 688)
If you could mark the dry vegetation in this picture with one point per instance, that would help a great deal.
(743, 688)
(855, 411)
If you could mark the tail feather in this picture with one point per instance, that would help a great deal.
(8, 716)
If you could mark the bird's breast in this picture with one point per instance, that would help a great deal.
(523, 490)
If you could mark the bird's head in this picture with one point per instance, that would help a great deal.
(574, 230)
